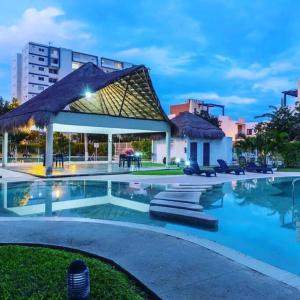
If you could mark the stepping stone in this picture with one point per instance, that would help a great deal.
(191, 187)
(185, 190)
(176, 204)
(183, 215)
(190, 197)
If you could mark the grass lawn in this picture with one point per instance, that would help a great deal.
(289, 169)
(159, 172)
(40, 273)
(151, 164)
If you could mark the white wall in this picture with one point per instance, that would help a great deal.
(219, 149)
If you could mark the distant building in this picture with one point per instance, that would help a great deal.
(193, 106)
(234, 129)
(39, 66)
(237, 129)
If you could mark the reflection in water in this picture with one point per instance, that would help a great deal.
(273, 194)
(82, 198)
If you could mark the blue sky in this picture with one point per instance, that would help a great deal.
(237, 53)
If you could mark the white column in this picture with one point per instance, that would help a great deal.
(168, 148)
(86, 150)
(49, 149)
(4, 149)
(188, 149)
(109, 149)
(70, 139)
(152, 150)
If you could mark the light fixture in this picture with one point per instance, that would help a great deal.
(177, 160)
(187, 163)
(57, 193)
(78, 280)
(88, 94)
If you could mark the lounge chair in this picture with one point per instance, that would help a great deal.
(224, 168)
(253, 167)
(195, 169)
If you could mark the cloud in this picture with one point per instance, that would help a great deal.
(225, 100)
(252, 73)
(256, 71)
(273, 84)
(161, 60)
(41, 26)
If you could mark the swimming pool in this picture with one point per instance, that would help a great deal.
(256, 217)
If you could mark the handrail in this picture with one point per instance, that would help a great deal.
(293, 189)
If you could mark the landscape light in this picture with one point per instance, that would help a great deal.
(57, 193)
(78, 280)
(88, 94)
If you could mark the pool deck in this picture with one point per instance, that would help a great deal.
(172, 267)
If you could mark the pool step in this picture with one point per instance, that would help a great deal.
(183, 215)
(179, 190)
(189, 197)
(190, 186)
(176, 204)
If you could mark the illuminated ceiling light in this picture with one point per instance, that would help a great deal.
(88, 94)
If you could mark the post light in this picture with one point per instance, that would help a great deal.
(88, 94)
(78, 281)
(187, 163)
(177, 160)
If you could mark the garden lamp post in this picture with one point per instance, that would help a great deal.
(78, 281)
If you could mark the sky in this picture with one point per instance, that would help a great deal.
(238, 53)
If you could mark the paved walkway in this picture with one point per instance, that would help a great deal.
(171, 267)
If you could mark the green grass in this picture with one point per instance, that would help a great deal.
(152, 164)
(288, 169)
(160, 172)
(40, 273)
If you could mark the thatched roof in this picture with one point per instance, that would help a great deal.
(125, 93)
(195, 127)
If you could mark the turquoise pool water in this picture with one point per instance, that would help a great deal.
(256, 217)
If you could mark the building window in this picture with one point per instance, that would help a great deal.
(41, 78)
(41, 88)
(54, 61)
(41, 69)
(41, 59)
(53, 71)
(52, 80)
(249, 131)
(41, 49)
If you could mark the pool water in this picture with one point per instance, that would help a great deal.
(256, 217)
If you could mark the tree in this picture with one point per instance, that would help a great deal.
(210, 118)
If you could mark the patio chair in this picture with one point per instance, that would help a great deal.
(253, 167)
(224, 168)
(195, 169)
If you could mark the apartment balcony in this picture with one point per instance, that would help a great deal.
(240, 136)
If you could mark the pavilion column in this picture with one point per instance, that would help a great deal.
(188, 149)
(109, 149)
(4, 149)
(86, 150)
(49, 149)
(152, 150)
(168, 148)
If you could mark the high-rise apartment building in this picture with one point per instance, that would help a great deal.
(39, 66)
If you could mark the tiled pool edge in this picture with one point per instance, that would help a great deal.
(234, 255)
